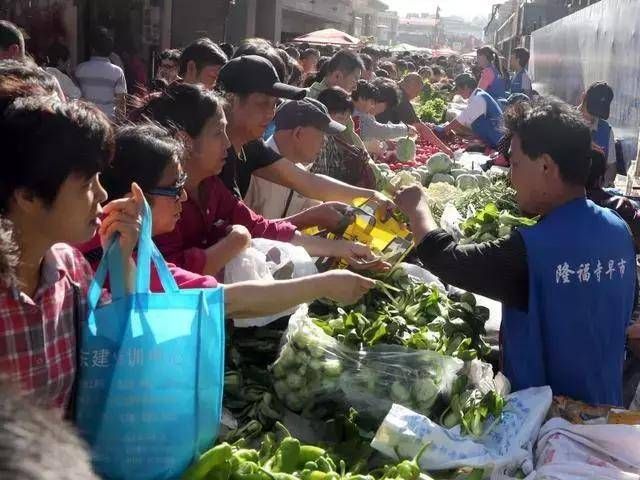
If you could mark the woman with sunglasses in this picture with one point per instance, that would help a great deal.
(212, 218)
(151, 155)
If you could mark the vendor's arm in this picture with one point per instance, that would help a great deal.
(328, 215)
(259, 298)
(372, 129)
(497, 270)
(462, 123)
(323, 247)
(427, 134)
(317, 187)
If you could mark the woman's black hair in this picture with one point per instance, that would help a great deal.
(28, 72)
(142, 153)
(336, 100)
(183, 107)
(550, 126)
(45, 141)
(494, 57)
(365, 91)
(323, 68)
(387, 92)
(262, 48)
(598, 168)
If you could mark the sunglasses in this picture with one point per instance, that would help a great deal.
(174, 191)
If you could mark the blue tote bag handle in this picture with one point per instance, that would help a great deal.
(112, 263)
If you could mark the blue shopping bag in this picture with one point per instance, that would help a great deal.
(151, 370)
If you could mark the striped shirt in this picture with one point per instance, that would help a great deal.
(100, 82)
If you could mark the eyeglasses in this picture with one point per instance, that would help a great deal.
(168, 66)
(175, 191)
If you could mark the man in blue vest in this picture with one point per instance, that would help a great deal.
(521, 82)
(595, 108)
(567, 284)
(482, 117)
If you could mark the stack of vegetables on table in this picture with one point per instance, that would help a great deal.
(431, 104)
(287, 458)
(427, 165)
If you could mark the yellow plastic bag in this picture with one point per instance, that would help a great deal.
(388, 238)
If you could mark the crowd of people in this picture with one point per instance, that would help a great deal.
(232, 143)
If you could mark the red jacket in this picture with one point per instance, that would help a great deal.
(199, 228)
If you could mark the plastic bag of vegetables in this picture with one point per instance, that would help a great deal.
(310, 364)
(388, 374)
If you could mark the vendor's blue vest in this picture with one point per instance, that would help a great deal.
(602, 135)
(498, 88)
(489, 126)
(581, 293)
(516, 83)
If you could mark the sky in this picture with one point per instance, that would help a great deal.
(464, 8)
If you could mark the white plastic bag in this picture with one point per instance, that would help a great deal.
(566, 451)
(422, 275)
(268, 260)
(506, 446)
(450, 221)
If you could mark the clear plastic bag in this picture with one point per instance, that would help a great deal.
(310, 364)
(388, 374)
(314, 368)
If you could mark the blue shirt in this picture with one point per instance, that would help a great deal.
(582, 281)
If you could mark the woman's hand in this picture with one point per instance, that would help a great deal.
(346, 287)
(123, 216)
(360, 257)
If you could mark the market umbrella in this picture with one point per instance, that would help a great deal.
(407, 47)
(444, 52)
(330, 36)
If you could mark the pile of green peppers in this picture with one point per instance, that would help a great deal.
(288, 459)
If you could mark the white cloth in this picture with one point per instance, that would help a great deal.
(566, 452)
(70, 89)
(474, 110)
(527, 87)
(100, 82)
(270, 199)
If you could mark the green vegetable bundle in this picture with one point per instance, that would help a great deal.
(310, 364)
(490, 224)
(414, 315)
(419, 380)
(432, 111)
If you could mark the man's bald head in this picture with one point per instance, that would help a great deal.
(412, 85)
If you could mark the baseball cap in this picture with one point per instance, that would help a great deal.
(307, 112)
(598, 100)
(254, 74)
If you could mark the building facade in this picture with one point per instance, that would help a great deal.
(283, 20)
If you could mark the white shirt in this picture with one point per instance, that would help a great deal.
(100, 82)
(474, 110)
(70, 90)
(270, 199)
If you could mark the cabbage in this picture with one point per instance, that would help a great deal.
(406, 150)
(483, 180)
(403, 179)
(466, 181)
(439, 163)
(456, 172)
(443, 177)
